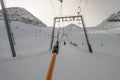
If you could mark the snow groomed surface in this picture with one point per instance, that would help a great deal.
(51, 67)
(74, 62)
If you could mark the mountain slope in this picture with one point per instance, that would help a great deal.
(73, 62)
(22, 15)
(111, 22)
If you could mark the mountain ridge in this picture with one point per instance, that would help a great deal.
(22, 15)
(112, 22)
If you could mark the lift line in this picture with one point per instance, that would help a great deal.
(72, 18)
(56, 46)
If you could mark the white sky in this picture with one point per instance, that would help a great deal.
(94, 12)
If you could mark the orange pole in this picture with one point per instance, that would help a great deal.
(51, 67)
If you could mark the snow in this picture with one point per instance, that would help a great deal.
(73, 62)
(113, 21)
(22, 15)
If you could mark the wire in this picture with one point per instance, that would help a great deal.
(79, 7)
(80, 2)
(85, 5)
(53, 7)
(60, 10)
(60, 14)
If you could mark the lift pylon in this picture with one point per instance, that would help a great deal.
(9, 32)
(73, 18)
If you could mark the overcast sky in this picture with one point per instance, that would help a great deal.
(94, 11)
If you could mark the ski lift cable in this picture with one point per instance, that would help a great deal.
(80, 7)
(80, 2)
(85, 5)
(60, 10)
(53, 7)
(60, 13)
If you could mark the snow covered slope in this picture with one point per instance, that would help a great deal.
(74, 62)
(26, 37)
(111, 22)
(22, 15)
